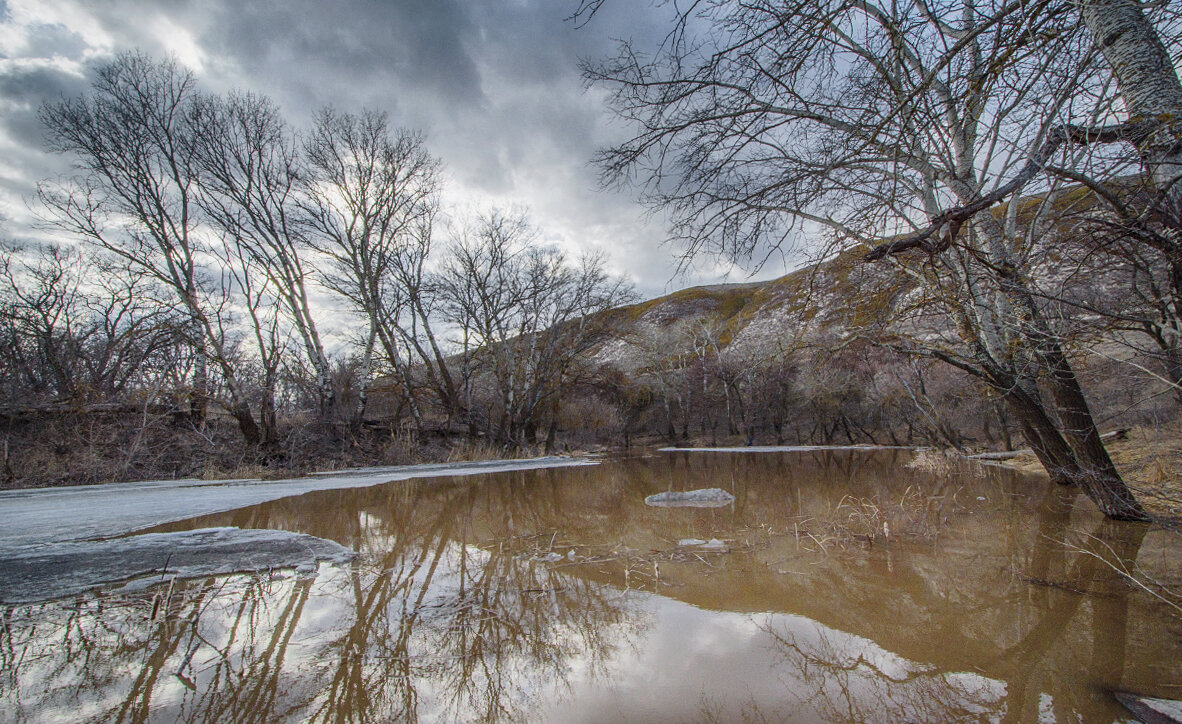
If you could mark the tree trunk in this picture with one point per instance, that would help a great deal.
(1043, 437)
(1082, 463)
(246, 424)
(198, 400)
(269, 437)
(1146, 79)
(1004, 423)
(551, 434)
(1100, 480)
(363, 381)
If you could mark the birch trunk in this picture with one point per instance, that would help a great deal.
(1146, 80)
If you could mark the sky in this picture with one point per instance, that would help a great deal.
(493, 84)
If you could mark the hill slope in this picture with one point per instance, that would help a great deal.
(829, 299)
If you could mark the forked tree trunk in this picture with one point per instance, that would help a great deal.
(1043, 436)
(1090, 466)
(247, 425)
(1082, 465)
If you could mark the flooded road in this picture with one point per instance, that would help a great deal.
(843, 586)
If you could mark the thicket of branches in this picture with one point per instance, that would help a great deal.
(899, 127)
(209, 256)
(1016, 164)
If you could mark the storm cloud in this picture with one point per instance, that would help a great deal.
(494, 85)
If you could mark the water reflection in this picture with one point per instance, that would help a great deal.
(855, 589)
(1049, 663)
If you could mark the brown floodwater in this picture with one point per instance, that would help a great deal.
(839, 586)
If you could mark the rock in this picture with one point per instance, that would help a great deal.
(702, 498)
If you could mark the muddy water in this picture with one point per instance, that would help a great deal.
(843, 586)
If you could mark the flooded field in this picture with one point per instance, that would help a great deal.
(838, 586)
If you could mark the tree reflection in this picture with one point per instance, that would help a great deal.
(841, 678)
(844, 678)
(489, 599)
(426, 624)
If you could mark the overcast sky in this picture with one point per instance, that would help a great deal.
(494, 85)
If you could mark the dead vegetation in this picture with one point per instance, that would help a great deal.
(915, 515)
(88, 449)
(1150, 460)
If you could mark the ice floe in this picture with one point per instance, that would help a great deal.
(701, 498)
(51, 515)
(40, 573)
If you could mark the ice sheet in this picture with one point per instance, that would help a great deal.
(38, 573)
(786, 448)
(52, 515)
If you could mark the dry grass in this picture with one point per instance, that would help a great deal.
(1149, 459)
(467, 450)
(915, 514)
(944, 462)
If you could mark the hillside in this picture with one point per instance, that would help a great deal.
(826, 300)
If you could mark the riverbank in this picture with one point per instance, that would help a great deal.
(49, 515)
(111, 452)
(1148, 458)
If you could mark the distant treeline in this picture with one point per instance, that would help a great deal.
(207, 251)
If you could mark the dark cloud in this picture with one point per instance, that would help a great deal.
(494, 85)
(49, 40)
(405, 53)
(24, 90)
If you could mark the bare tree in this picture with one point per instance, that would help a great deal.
(134, 194)
(663, 357)
(260, 300)
(250, 178)
(372, 195)
(1139, 227)
(1147, 81)
(83, 341)
(872, 120)
(525, 316)
(43, 304)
